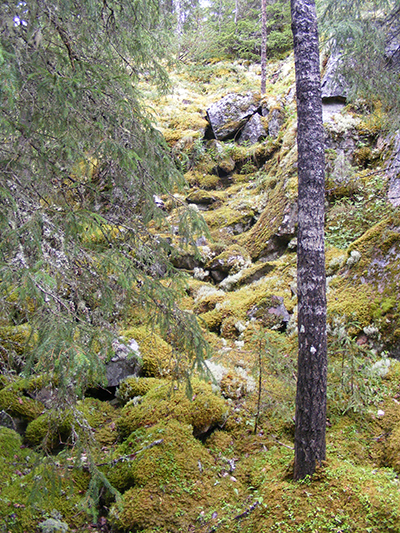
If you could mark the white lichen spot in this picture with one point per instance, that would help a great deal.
(354, 258)
(240, 326)
(371, 331)
(200, 274)
(313, 350)
(381, 367)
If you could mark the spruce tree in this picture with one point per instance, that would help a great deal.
(80, 167)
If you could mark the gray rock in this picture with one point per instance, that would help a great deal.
(253, 131)
(275, 122)
(126, 362)
(334, 86)
(228, 116)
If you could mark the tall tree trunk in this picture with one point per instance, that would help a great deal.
(179, 21)
(236, 13)
(263, 46)
(312, 360)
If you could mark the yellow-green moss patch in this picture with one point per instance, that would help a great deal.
(204, 410)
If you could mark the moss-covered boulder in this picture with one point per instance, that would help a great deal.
(16, 339)
(275, 228)
(201, 198)
(230, 261)
(229, 220)
(173, 480)
(15, 401)
(54, 427)
(157, 355)
(366, 288)
(204, 410)
(134, 387)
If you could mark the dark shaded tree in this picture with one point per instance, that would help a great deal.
(311, 290)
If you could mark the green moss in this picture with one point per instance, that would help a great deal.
(231, 260)
(341, 497)
(157, 355)
(204, 180)
(228, 218)
(203, 411)
(16, 338)
(27, 501)
(367, 287)
(15, 459)
(173, 484)
(54, 427)
(17, 405)
(263, 294)
(357, 302)
(256, 240)
(208, 300)
(49, 429)
(132, 387)
(202, 197)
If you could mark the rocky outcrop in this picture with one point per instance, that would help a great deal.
(229, 115)
(334, 86)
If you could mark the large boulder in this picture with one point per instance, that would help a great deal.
(334, 87)
(228, 116)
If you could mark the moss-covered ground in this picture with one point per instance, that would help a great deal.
(216, 455)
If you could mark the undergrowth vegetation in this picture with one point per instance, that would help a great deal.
(215, 453)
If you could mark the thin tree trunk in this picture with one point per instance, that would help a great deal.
(312, 360)
(263, 46)
(236, 13)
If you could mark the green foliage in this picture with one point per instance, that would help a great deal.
(80, 164)
(363, 205)
(232, 29)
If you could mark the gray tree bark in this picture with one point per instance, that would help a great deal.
(263, 46)
(311, 288)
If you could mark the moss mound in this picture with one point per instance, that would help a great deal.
(54, 427)
(156, 354)
(204, 410)
(133, 387)
(341, 497)
(15, 402)
(175, 483)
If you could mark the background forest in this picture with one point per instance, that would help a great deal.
(135, 242)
